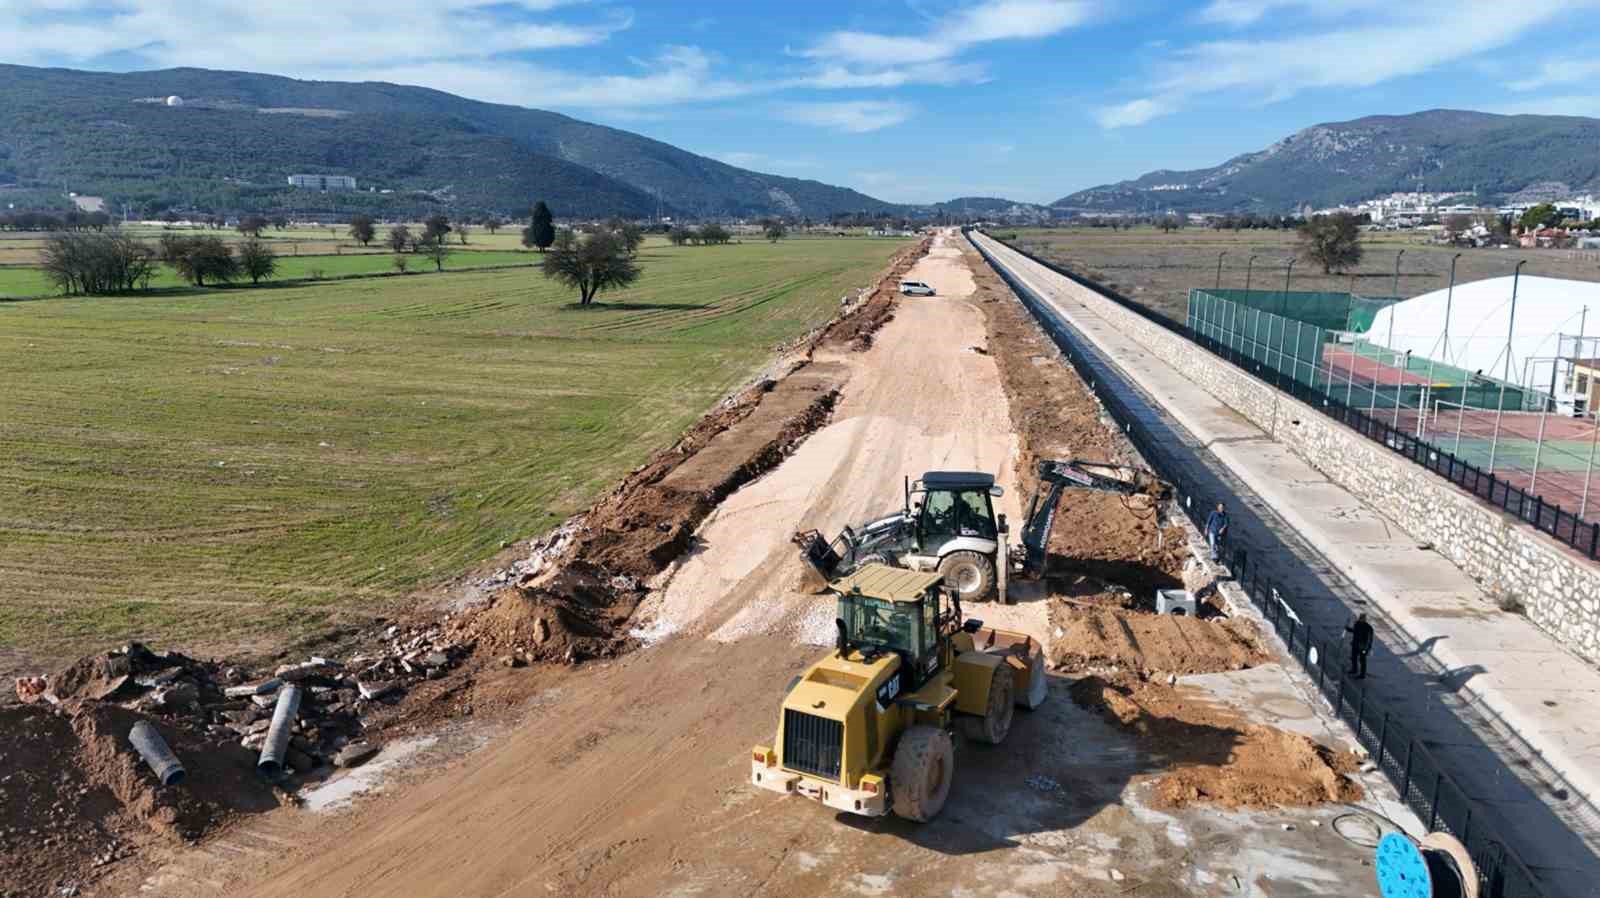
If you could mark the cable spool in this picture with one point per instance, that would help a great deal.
(1436, 867)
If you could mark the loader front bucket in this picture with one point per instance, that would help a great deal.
(1024, 655)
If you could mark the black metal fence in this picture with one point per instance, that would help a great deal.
(1549, 517)
(1432, 794)
(1436, 798)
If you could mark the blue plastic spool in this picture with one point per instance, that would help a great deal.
(1402, 871)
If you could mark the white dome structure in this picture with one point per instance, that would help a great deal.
(1480, 318)
(174, 100)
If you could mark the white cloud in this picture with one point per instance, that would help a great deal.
(994, 20)
(1404, 42)
(1132, 113)
(1243, 13)
(1570, 71)
(853, 116)
(940, 73)
(291, 35)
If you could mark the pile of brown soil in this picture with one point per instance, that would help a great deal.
(1097, 638)
(75, 797)
(1217, 758)
(1057, 417)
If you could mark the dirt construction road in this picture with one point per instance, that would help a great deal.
(628, 778)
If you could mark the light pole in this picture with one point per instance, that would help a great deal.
(1511, 330)
(1288, 272)
(1248, 263)
(1395, 292)
(1449, 297)
(1500, 406)
(1219, 268)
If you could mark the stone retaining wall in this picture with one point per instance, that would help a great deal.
(1558, 588)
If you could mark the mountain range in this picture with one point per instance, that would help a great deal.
(232, 138)
(1494, 157)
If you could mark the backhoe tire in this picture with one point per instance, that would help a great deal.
(995, 723)
(969, 573)
(919, 780)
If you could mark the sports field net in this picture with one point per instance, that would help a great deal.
(1516, 433)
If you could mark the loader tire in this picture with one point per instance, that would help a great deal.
(969, 573)
(995, 723)
(919, 780)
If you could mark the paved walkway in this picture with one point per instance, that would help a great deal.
(1510, 714)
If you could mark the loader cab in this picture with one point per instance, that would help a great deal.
(884, 609)
(952, 505)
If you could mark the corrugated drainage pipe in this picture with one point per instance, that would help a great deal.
(155, 752)
(277, 745)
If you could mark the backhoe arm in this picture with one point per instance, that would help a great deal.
(1057, 476)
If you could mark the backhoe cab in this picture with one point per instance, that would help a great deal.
(867, 728)
(948, 524)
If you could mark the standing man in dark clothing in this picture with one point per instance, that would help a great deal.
(1217, 530)
(1360, 646)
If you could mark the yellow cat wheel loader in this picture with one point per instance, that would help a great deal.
(868, 728)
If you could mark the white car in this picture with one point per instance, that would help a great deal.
(915, 288)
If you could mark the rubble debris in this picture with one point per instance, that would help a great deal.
(262, 688)
(31, 689)
(355, 754)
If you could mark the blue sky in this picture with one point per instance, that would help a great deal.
(908, 100)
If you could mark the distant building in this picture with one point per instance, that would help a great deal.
(322, 182)
(1586, 383)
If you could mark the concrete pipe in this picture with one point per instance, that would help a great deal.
(155, 752)
(275, 752)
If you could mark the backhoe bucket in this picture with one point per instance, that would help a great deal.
(1024, 655)
(819, 554)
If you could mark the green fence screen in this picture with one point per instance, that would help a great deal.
(1284, 344)
(1327, 310)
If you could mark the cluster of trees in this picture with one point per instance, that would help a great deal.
(202, 259)
(97, 262)
(101, 262)
(706, 235)
(71, 220)
(432, 243)
(1546, 215)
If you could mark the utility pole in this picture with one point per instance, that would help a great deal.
(1219, 268)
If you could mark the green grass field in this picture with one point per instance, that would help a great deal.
(226, 468)
(21, 282)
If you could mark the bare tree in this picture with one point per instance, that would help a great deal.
(435, 249)
(362, 229)
(257, 260)
(399, 238)
(1332, 241)
(600, 261)
(207, 258)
